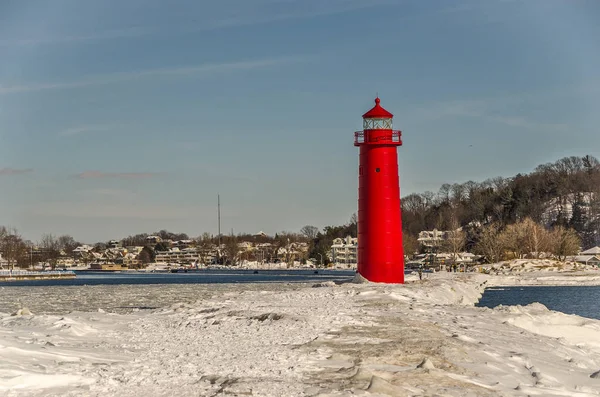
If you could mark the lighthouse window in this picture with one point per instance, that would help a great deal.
(376, 169)
(377, 124)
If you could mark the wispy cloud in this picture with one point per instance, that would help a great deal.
(225, 15)
(311, 9)
(118, 175)
(103, 193)
(206, 69)
(493, 110)
(133, 210)
(104, 35)
(84, 129)
(14, 171)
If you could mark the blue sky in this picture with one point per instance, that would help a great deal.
(122, 117)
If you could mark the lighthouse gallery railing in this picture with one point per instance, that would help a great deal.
(394, 137)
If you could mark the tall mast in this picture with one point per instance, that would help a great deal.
(219, 216)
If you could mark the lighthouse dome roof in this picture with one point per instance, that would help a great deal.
(377, 112)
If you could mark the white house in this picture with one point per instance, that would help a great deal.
(344, 250)
(83, 249)
(3, 262)
(432, 238)
(176, 255)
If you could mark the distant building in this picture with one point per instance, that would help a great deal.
(432, 238)
(65, 262)
(344, 250)
(106, 266)
(593, 260)
(245, 246)
(83, 249)
(176, 255)
(3, 262)
(153, 239)
(114, 244)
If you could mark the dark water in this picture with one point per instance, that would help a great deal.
(192, 277)
(583, 301)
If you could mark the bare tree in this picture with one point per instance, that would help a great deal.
(513, 237)
(537, 239)
(354, 219)
(490, 243)
(67, 244)
(12, 246)
(444, 193)
(146, 255)
(410, 244)
(455, 238)
(204, 244)
(564, 242)
(232, 250)
(50, 249)
(458, 192)
(310, 232)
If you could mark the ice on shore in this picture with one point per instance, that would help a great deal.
(423, 338)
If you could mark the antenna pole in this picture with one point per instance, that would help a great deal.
(219, 216)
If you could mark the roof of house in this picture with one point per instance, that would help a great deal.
(591, 251)
(586, 258)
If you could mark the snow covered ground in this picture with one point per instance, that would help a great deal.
(421, 338)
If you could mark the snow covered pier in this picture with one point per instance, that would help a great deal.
(328, 339)
(20, 275)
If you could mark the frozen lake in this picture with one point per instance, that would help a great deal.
(127, 292)
(204, 276)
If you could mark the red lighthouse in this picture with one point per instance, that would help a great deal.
(380, 252)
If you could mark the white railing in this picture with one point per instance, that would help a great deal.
(364, 138)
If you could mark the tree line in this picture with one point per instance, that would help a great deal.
(559, 197)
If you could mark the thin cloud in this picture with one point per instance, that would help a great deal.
(14, 171)
(84, 129)
(118, 175)
(323, 8)
(207, 69)
(103, 210)
(490, 110)
(105, 35)
(256, 15)
(104, 193)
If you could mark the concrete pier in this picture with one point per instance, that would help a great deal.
(20, 275)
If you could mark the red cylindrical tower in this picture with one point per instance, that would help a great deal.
(380, 252)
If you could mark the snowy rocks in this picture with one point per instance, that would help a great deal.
(381, 386)
(22, 312)
(358, 279)
(595, 375)
(426, 364)
(267, 316)
(325, 284)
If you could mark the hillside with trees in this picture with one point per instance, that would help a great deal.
(559, 196)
